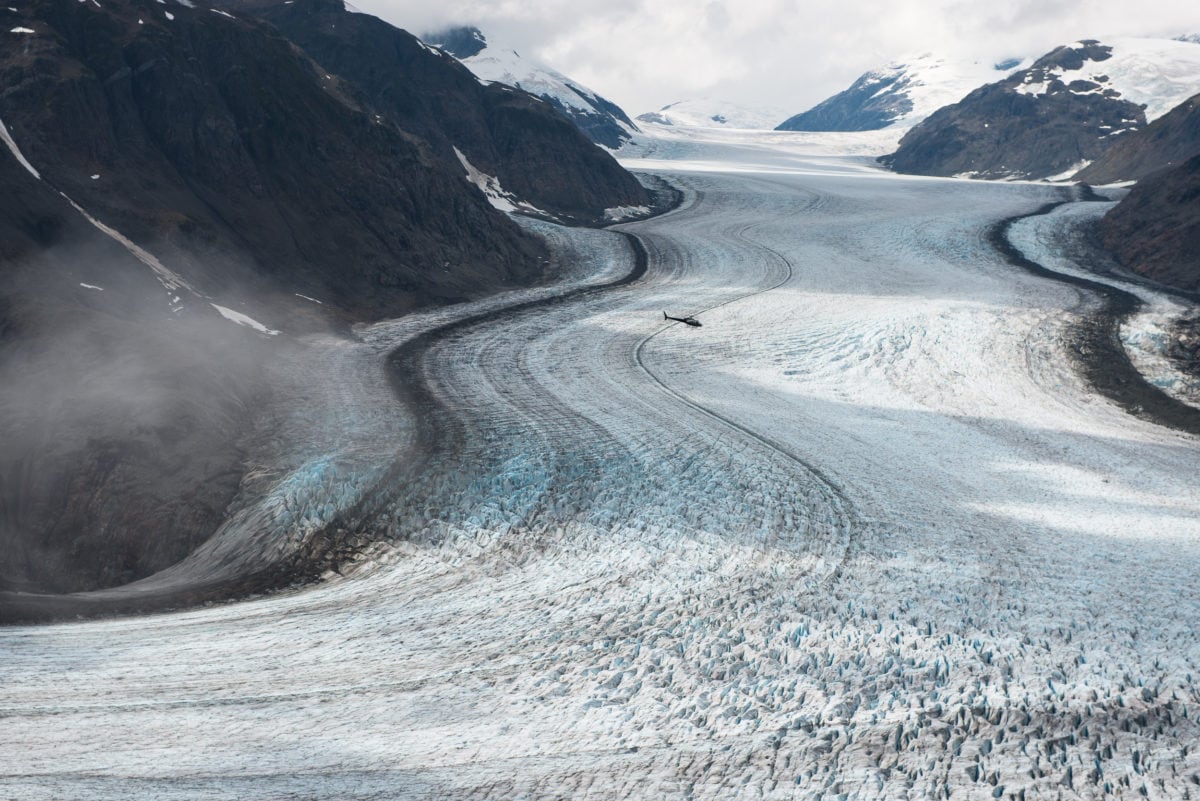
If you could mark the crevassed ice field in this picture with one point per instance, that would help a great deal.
(866, 534)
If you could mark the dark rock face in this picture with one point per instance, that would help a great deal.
(1183, 349)
(872, 102)
(535, 152)
(1155, 230)
(1030, 125)
(213, 136)
(220, 148)
(1168, 141)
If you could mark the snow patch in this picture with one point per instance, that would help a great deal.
(306, 297)
(166, 277)
(493, 191)
(91, 286)
(243, 319)
(1066, 174)
(16, 151)
(618, 213)
(22, 30)
(222, 13)
(169, 15)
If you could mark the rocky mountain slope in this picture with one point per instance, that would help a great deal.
(1053, 118)
(212, 139)
(120, 410)
(1168, 141)
(1155, 230)
(900, 94)
(526, 145)
(599, 118)
(185, 191)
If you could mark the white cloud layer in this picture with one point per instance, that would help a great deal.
(794, 53)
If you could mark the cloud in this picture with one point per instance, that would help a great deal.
(646, 53)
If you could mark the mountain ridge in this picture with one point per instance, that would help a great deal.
(899, 94)
(603, 121)
(1052, 118)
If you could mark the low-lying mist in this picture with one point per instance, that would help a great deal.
(121, 421)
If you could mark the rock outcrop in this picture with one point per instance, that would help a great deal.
(1167, 142)
(525, 143)
(1155, 230)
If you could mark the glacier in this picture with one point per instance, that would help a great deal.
(866, 534)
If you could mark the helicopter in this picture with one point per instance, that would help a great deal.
(685, 320)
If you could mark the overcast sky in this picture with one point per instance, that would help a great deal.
(643, 54)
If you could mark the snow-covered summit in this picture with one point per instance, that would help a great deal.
(601, 119)
(1157, 74)
(900, 94)
(1056, 116)
(709, 113)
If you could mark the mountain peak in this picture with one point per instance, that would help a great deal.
(462, 41)
(1074, 56)
(494, 62)
(899, 94)
(1056, 116)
